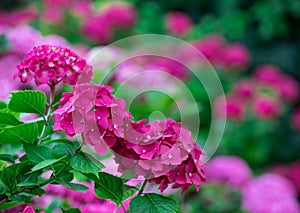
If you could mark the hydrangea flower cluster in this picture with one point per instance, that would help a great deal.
(263, 94)
(162, 150)
(270, 193)
(231, 170)
(48, 64)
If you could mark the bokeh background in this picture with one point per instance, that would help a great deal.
(253, 46)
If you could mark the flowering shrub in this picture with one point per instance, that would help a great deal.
(162, 151)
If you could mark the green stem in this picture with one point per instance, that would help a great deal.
(48, 116)
(123, 207)
(143, 187)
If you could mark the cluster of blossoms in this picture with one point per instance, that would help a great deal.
(263, 93)
(270, 193)
(267, 193)
(18, 47)
(48, 64)
(99, 25)
(162, 150)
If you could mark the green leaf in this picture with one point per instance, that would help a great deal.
(38, 154)
(74, 186)
(153, 203)
(86, 164)
(72, 210)
(22, 133)
(109, 187)
(45, 163)
(8, 118)
(3, 188)
(30, 101)
(128, 191)
(8, 177)
(64, 150)
(7, 157)
(2, 105)
(9, 205)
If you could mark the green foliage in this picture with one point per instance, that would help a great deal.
(29, 101)
(153, 203)
(23, 133)
(38, 154)
(8, 118)
(109, 187)
(85, 163)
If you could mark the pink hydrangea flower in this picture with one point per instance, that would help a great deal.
(119, 14)
(178, 23)
(234, 56)
(230, 107)
(269, 193)
(231, 170)
(266, 107)
(296, 119)
(48, 64)
(160, 149)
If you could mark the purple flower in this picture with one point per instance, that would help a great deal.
(269, 193)
(231, 170)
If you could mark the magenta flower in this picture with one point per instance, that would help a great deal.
(269, 193)
(265, 107)
(178, 23)
(230, 170)
(160, 149)
(29, 209)
(48, 64)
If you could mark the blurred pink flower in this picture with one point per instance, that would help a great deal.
(24, 43)
(17, 16)
(53, 40)
(295, 120)
(235, 56)
(178, 23)
(269, 193)
(231, 170)
(119, 14)
(244, 89)
(8, 65)
(97, 29)
(290, 171)
(231, 107)
(210, 46)
(285, 85)
(266, 107)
